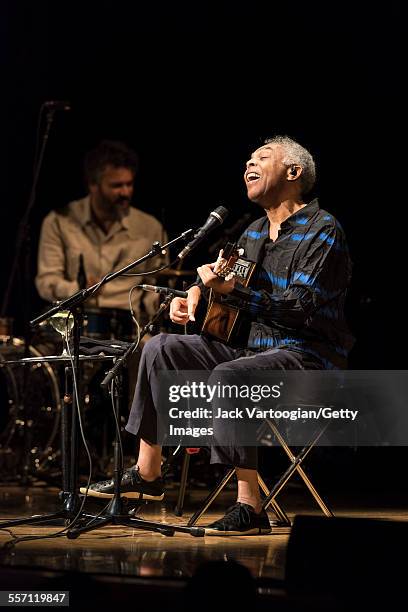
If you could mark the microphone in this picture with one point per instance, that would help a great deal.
(216, 217)
(233, 231)
(58, 105)
(164, 290)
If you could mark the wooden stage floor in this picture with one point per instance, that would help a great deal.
(122, 551)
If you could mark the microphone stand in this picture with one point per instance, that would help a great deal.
(83, 294)
(23, 245)
(72, 508)
(23, 234)
(114, 513)
(121, 361)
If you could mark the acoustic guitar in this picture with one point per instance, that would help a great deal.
(222, 318)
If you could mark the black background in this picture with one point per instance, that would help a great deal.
(193, 87)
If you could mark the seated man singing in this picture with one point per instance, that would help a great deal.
(295, 309)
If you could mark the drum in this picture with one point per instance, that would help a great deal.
(108, 323)
(28, 395)
(97, 409)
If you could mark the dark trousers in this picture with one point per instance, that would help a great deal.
(183, 352)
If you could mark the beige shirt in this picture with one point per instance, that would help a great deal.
(71, 231)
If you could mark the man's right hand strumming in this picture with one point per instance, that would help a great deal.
(182, 309)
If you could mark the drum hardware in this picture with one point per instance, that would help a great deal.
(42, 413)
(72, 508)
(98, 420)
(21, 271)
(175, 278)
(44, 403)
(66, 405)
(114, 513)
(97, 413)
(108, 323)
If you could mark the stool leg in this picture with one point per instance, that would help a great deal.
(324, 508)
(314, 492)
(280, 513)
(211, 497)
(283, 479)
(178, 510)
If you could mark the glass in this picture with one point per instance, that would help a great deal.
(63, 322)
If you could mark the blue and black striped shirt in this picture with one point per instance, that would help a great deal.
(296, 299)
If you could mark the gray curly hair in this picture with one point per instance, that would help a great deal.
(296, 154)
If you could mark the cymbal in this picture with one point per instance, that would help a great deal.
(177, 273)
(58, 358)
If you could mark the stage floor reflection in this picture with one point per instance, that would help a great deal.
(125, 551)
